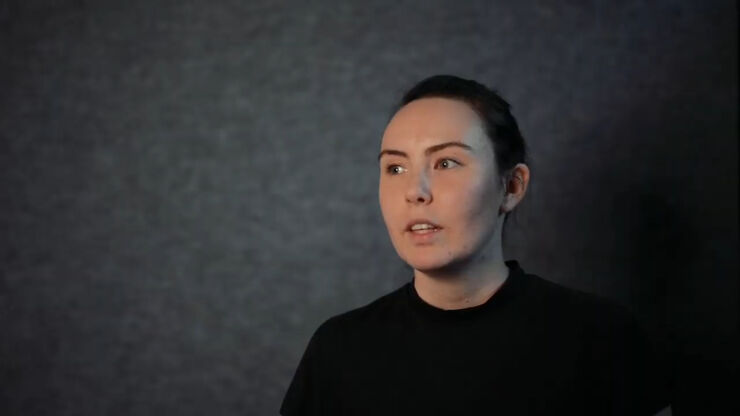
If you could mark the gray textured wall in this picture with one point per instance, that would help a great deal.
(188, 190)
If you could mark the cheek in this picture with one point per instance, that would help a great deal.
(477, 207)
(389, 209)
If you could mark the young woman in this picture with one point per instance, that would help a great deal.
(471, 333)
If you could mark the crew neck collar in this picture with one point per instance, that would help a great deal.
(507, 289)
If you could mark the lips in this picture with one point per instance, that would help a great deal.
(422, 226)
(422, 232)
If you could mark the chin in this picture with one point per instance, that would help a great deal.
(428, 262)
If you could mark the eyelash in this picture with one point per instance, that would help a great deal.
(390, 168)
(447, 159)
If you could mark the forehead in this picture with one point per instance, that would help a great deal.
(428, 121)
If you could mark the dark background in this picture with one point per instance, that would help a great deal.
(187, 190)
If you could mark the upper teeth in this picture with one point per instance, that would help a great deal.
(421, 227)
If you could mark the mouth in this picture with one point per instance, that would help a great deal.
(421, 227)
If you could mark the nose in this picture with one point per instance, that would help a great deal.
(418, 189)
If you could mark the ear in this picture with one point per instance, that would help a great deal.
(516, 183)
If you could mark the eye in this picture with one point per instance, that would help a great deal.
(446, 164)
(395, 169)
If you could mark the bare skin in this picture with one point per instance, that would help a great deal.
(444, 203)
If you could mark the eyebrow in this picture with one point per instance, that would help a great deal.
(428, 151)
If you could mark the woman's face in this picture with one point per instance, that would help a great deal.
(439, 189)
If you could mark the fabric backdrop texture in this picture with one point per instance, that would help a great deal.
(188, 189)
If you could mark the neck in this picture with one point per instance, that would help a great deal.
(468, 284)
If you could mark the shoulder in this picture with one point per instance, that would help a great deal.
(590, 320)
(364, 319)
(576, 304)
(614, 351)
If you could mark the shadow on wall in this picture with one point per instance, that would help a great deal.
(659, 215)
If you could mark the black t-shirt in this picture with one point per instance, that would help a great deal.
(533, 348)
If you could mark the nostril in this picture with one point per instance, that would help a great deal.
(418, 193)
